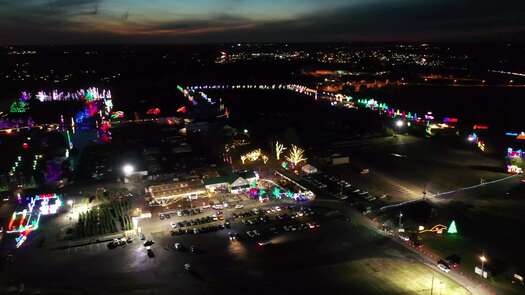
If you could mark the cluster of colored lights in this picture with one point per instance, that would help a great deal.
(18, 106)
(35, 161)
(514, 169)
(516, 135)
(16, 165)
(192, 95)
(474, 138)
(254, 156)
(89, 94)
(153, 111)
(25, 221)
(117, 115)
(511, 153)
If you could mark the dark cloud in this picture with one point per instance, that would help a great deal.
(380, 20)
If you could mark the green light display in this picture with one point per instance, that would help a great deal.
(452, 229)
(18, 107)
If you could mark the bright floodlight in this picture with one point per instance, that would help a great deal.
(399, 123)
(70, 202)
(483, 258)
(128, 169)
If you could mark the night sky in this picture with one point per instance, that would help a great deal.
(201, 21)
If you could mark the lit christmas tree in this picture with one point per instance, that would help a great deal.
(452, 229)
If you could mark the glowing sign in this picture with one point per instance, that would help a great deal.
(450, 120)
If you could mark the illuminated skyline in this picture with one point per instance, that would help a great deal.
(200, 21)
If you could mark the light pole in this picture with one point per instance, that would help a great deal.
(400, 216)
(483, 259)
(399, 123)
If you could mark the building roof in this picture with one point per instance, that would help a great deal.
(247, 174)
(171, 190)
(220, 180)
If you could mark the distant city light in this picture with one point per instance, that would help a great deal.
(399, 123)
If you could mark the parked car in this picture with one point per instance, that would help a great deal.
(443, 266)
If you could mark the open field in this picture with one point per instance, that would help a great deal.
(398, 276)
(489, 217)
(403, 168)
(340, 256)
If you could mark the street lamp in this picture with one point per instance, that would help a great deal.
(399, 123)
(128, 169)
(70, 203)
(483, 259)
(400, 216)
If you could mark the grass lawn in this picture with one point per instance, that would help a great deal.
(398, 276)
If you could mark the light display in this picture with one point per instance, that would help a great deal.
(514, 169)
(480, 127)
(481, 145)
(21, 221)
(153, 112)
(450, 120)
(25, 221)
(117, 115)
(182, 109)
(472, 137)
(253, 156)
(276, 192)
(279, 149)
(511, 153)
(18, 107)
(435, 229)
(296, 155)
(89, 94)
(452, 229)
(47, 203)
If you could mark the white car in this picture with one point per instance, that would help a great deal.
(443, 267)
(239, 206)
(277, 208)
